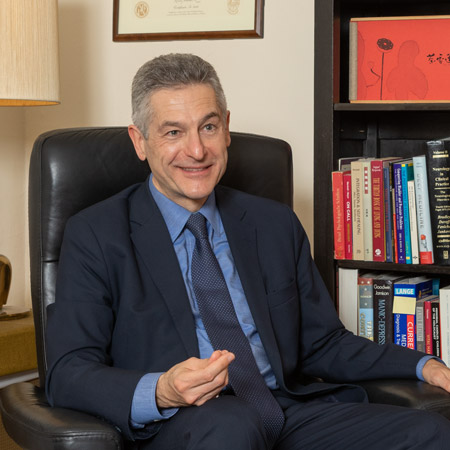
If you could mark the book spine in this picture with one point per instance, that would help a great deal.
(404, 330)
(399, 217)
(367, 211)
(357, 211)
(406, 220)
(388, 214)
(394, 227)
(348, 253)
(420, 326)
(435, 319)
(353, 62)
(382, 311)
(428, 328)
(413, 222)
(444, 312)
(365, 312)
(423, 211)
(438, 171)
(337, 183)
(378, 217)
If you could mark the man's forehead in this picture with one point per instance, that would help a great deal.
(193, 98)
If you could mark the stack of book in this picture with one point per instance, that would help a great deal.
(413, 312)
(392, 209)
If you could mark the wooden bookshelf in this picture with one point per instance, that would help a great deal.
(367, 130)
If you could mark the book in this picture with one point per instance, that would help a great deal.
(444, 304)
(348, 298)
(357, 210)
(423, 210)
(367, 209)
(399, 213)
(413, 222)
(383, 300)
(399, 59)
(344, 164)
(388, 214)
(337, 184)
(428, 324)
(420, 325)
(407, 174)
(378, 216)
(438, 172)
(348, 238)
(406, 293)
(365, 306)
(436, 333)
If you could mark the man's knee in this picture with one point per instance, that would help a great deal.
(223, 423)
(232, 420)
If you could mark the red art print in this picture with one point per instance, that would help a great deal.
(403, 60)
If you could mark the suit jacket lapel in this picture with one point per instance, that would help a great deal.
(152, 241)
(241, 235)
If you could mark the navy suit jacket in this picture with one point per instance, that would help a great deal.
(122, 310)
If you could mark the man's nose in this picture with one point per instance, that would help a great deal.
(195, 148)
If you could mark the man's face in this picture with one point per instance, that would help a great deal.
(187, 144)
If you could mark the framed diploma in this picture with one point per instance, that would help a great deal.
(148, 20)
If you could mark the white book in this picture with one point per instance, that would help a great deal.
(423, 210)
(348, 298)
(444, 313)
(413, 222)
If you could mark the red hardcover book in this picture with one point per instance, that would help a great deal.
(348, 241)
(378, 233)
(338, 214)
(399, 59)
(428, 325)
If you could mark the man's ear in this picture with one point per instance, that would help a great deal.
(227, 131)
(138, 141)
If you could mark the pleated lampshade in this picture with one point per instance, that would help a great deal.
(29, 64)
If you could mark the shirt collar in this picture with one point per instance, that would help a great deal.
(176, 216)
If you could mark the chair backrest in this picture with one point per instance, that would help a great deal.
(71, 169)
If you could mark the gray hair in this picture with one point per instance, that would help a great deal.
(170, 72)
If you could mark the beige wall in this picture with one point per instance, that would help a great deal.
(268, 82)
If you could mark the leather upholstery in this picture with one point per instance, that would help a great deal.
(74, 168)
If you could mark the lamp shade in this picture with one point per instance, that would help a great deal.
(29, 64)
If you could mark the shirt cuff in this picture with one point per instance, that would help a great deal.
(421, 364)
(143, 408)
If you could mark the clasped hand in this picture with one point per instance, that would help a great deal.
(194, 381)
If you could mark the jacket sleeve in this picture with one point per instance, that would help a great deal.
(80, 327)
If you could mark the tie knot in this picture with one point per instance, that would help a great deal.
(196, 224)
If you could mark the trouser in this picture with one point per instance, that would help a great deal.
(229, 423)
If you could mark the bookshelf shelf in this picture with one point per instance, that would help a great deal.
(343, 129)
(392, 107)
(392, 267)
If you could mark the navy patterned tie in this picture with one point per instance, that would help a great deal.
(225, 333)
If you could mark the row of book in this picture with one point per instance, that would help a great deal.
(413, 312)
(392, 209)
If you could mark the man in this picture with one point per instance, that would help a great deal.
(191, 316)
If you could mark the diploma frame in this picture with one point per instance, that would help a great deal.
(168, 35)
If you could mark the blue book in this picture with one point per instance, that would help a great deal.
(423, 210)
(399, 213)
(388, 213)
(406, 293)
(407, 174)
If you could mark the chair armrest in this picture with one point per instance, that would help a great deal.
(33, 424)
(409, 393)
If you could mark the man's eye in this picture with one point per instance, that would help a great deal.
(209, 127)
(173, 132)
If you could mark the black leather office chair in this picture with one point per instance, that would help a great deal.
(74, 168)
